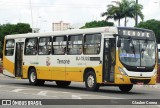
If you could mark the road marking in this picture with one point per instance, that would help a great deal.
(1, 86)
(58, 94)
(46, 93)
(17, 90)
(42, 93)
(76, 97)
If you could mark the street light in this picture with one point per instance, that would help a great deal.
(31, 15)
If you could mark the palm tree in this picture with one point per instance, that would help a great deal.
(114, 11)
(136, 9)
(123, 9)
(126, 7)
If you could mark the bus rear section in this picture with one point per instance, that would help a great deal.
(13, 57)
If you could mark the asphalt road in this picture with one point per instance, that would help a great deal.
(21, 89)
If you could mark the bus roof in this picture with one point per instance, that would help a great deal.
(112, 30)
(109, 30)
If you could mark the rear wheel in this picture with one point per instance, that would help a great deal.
(63, 83)
(33, 78)
(126, 87)
(91, 82)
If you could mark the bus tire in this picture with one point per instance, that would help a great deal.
(91, 82)
(33, 77)
(63, 83)
(126, 87)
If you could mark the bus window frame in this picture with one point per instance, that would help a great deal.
(46, 45)
(36, 46)
(69, 36)
(92, 44)
(9, 47)
(53, 40)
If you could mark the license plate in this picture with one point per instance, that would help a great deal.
(140, 83)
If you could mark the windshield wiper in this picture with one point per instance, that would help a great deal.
(132, 48)
(142, 50)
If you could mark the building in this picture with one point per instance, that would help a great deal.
(60, 26)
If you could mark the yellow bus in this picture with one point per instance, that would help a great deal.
(111, 56)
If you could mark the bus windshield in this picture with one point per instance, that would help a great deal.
(139, 53)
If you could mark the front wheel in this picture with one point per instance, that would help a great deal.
(91, 82)
(126, 87)
(33, 78)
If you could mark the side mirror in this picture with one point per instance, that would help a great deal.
(119, 42)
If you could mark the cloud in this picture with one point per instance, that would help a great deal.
(76, 12)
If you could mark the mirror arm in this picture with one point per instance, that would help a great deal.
(115, 35)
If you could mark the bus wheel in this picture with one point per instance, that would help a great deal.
(90, 82)
(33, 77)
(63, 83)
(126, 87)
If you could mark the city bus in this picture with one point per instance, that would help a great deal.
(104, 56)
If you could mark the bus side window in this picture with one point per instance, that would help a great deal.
(31, 46)
(9, 50)
(75, 44)
(92, 43)
(44, 45)
(59, 45)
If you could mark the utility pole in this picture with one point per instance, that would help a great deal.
(136, 15)
(31, 14)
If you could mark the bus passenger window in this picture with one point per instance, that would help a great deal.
(9, 51)
(31, 46)
(92, 44)
(75, 44)
(59, 45)
(44, 46)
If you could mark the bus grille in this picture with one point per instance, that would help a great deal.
(135, 81)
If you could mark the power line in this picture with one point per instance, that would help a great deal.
(54, 5)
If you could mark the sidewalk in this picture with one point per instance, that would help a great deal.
(150, 86)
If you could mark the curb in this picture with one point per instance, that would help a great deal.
(148, 86)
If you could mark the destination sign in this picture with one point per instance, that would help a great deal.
(142, 33)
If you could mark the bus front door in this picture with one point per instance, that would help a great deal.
(19, 59)
(109, 59)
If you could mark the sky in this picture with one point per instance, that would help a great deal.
(75, 12)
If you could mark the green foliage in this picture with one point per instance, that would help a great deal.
(152, 25)
(8, 29)
(93, 24)
(123, 9)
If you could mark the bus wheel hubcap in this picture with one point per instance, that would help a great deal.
(90, 81)
(33, 77)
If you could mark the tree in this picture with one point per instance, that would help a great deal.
(152, 25)
(114, 11)
(93, 24)
(126, 8)
(8, 29)
(135, 9)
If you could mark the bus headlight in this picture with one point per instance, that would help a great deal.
(155, 72)
(122, 71)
